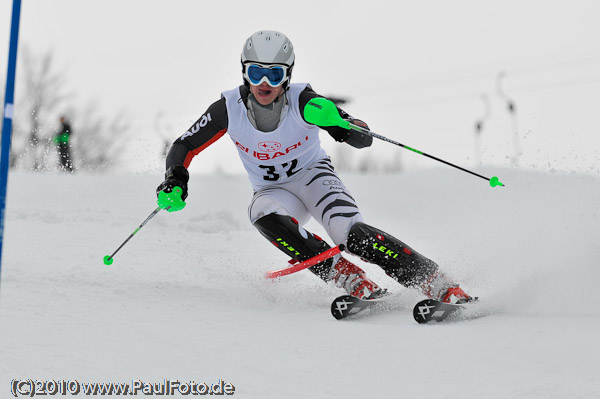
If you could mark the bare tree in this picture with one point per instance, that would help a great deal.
(343, 158)
(395, 165)
(98, 141)
(42, 98)
(365, 164)
(41, 92)
(512, 110)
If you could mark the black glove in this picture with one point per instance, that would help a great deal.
(353, 137)
(175, 176)
(338, 133)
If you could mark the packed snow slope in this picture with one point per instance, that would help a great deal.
(185, 299)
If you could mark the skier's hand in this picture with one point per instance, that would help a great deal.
(173, 191)
(340, 134)
(353, 137)
(358, 139)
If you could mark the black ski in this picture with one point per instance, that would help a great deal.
(426, 311)
(431, 310)
(347, 305)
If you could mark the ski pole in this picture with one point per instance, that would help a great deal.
(323, 112)
(493, 181)
(108, 259)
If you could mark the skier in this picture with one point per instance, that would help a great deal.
(61, 139)
(293, 178)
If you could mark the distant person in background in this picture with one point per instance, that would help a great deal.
(62, 140)
(293, 178)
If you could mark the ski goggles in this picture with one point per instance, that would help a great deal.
(274, 75)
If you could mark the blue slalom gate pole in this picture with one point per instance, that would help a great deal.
(9, 99)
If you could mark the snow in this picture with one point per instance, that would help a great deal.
(186, 299)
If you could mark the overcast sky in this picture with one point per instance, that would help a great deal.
(417, 72)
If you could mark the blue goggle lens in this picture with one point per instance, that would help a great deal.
(274, 74)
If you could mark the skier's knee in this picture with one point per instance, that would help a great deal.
(286, 234)
(397, 259)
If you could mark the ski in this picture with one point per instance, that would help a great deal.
(429, 310)
(347, 305)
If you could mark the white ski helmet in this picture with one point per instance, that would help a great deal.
(268, 47)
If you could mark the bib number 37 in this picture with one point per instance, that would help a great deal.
(272, 172)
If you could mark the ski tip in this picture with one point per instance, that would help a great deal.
(422, 310)
(341, 306)
(429, 310)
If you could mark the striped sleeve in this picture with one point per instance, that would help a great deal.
(210, 127)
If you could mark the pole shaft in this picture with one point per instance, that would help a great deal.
(8, 112)
(136, 230)
(380, 137)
